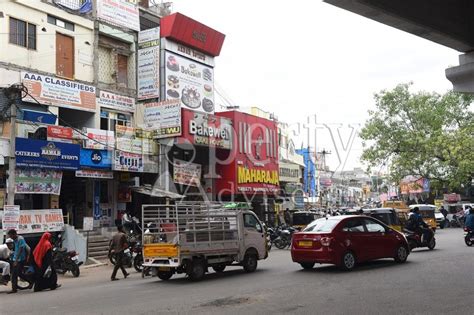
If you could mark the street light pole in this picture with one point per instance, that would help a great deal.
(13, 93)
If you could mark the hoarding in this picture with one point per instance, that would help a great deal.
(58, 92)
(186, 173)
(148, 63)
(37, 181)
(100, 159)
(135, 140)
(290, 172)
(99, 139)
(164, 118)
(115, 101)
(190, 82)
(60, 134)
(127, 162)
(11, 217)
(95, 174)
(39, 221)
(122, 13)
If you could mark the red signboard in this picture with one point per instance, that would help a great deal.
(252, 167)
(58, 133)
(189, 32)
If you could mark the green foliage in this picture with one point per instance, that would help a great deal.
(421, 134)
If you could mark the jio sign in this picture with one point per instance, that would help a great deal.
(98, 159)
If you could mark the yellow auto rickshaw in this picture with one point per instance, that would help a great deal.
(428, 214)
(388, 216)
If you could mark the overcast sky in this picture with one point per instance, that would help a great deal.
(307, 57)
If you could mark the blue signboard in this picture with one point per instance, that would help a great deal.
(101, 159)
(38, 117)
(47, 154)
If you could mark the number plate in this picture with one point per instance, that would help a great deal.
(305, 243)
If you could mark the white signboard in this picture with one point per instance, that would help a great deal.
(11, 217)
(148, 61)
(135, 140)
(119, 12)
(186, 173)
(99, 139)
(115, 101)
(190, 82)
(88, 224)
(95, 174)
(164, 118)
(39, 221)
(188, 52)
(128, 162)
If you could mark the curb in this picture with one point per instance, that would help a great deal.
(96, 263)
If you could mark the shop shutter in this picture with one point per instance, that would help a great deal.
(64, 56)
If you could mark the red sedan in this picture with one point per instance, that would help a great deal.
(347, 240)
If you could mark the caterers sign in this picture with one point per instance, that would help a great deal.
(164, 118)
(190, 82)
(148, 61)
(115, 101)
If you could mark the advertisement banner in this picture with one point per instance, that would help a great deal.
(47, 154)
(60, 134)
(290, 172)
(11, 217)
(190, 82)
(37, 181)
(95, 174)
(99, 139)
(148, 62)
(164, 118)
(101, 159)
(206, 130)
(135, 140)
(186, 173)
(59, 92)
(127, 162)
(188, 52)
(115, 101)
(39, 221)
(122, 13)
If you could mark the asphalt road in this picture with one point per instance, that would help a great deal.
(430, 282)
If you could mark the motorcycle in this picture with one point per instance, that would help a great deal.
(415, 240)
(64, 260)
(468, 236)
(284, 236)
(133, 255)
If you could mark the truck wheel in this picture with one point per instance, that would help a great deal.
(250, 262)
(164, 275)
(219, 267)
(197, 270)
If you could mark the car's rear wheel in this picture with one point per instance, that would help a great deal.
(348, 261)
(307, 265)
(401, 254)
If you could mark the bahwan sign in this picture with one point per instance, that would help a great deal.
(248, 176)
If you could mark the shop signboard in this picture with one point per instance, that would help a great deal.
(122, 13)
(127, 162)
(186, 173)
(206, 130)
(60, 134)
(190, 82)
(38, 181)
(135, 140)
(115, 101)
(39, 221)
(188, 52)
(164, 118)
(59, 92)
(99, 139)
(95, 174)
(414, 186)
(100, 159)
(47, 154)
(148, 63)
(452, 198)
(290, 172)
(88, 224)
(11, 217)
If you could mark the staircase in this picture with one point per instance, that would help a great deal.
(98, 245)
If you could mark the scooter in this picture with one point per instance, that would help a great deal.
(64, 260)
(415, 240)
(468, 236)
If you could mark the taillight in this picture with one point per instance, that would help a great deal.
(325, 241)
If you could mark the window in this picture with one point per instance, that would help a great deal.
(122, 69)
(60, 23)
(22, 33)
(321, 225)
(250, 221)
(354, 226)
(373, 226)
(108, 120)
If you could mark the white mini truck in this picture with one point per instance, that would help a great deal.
(191, 237)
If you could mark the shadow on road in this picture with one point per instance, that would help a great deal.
(362, 267)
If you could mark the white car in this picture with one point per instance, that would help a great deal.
(440, 219)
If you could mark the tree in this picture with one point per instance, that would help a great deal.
(421, 134)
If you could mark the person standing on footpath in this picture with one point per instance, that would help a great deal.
(118, 245)
(18, 259)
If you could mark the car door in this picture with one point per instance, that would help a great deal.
(355, 238)
(378, 242)
(254, 234)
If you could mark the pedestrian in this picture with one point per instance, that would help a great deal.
(470, 219)
(118, 245)
(18, 259)
(5, 252)
(287, 216)
(45, 275)
(443, 211)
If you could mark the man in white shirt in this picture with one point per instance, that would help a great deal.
(5, 251)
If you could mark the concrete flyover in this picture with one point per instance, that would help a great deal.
(446, 22)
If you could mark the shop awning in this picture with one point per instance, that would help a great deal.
(156, 192)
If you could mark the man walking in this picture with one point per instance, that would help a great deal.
(5, 251)
(18, 259)
(118, 245)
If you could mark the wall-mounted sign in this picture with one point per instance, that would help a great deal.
(59, 92)
(186, 173)
(95, 174)
(101, 159)
(99, 139)
(164, 118)
(148, 63)
(122, 13)
(37, 181)
(38, 221)
(135, 140)
(128, 162)
(46, 154)
(190, 82)
(188, 52)
(290, 172)
(11, 217)
(37, 117)
(60, 134)
(115, 101)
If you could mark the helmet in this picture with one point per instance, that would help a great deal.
(9, 240)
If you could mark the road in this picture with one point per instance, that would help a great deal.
(430, 282)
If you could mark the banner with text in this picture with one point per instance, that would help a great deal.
(148, 61)
(119, 12)
(164, 118)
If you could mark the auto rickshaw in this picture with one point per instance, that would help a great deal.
(428, 214)
(388, 216)
(302, 218)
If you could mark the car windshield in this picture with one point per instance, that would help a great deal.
(321, 225)
(302, 218)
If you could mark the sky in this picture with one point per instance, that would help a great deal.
(303, 58)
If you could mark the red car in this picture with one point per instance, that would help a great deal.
(347, 240)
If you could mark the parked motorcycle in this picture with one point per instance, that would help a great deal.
(415, 240)
(284, 236)
(64, 260)
(133, 255)
(468, 236)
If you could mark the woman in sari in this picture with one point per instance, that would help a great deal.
(45, 275)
